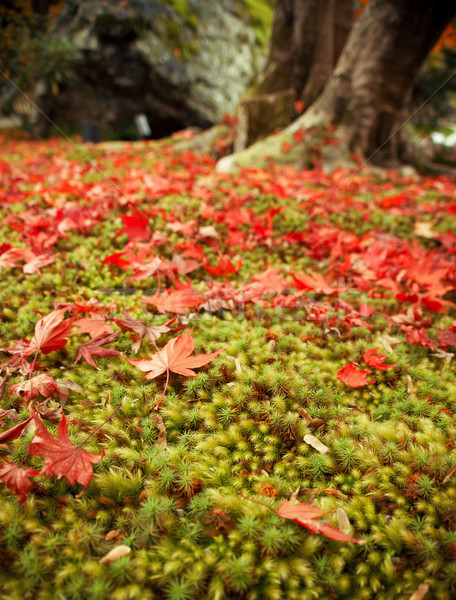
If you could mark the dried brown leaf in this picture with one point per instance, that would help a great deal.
(115, 553)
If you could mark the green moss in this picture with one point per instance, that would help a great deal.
(240, 423)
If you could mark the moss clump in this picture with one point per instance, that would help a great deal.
(168, 485)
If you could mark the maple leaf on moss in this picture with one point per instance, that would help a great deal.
(354, 377)
(17, 479)
(175, 301)
(306, 515)
(14, 432)
(223, 267)
(94, 326)
(315, 282)
(135, 226)
(418, 337)
(95, 348)
(376, 360)
(175, 357)
(44, 385)
(150, 332)
(61, 458)
(51, 332)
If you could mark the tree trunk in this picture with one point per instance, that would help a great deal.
(368, 94)
(320, 31)
(371, 87)
(40, 7)
(306, 41)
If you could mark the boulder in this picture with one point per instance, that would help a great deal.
(181, 68)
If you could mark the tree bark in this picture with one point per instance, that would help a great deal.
(371, 86)
(306, 41)
(367, 98)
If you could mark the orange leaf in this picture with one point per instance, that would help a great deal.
(176, 301)
(175, 357)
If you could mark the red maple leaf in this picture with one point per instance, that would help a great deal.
(352, 376)
(184, 266)
(305, 515)
(418, 337)
(375, 360)
(10, 257)
(175, 357)
(447, 337)
(61, 458)
(43, 384)
(154, 267)
(314, 281)
(223, 267)
(35, 262)
(150, 332)
(51, 332)
(135, 226)
(95, 348)
(117, 259)
(17, 479)
(14, 432)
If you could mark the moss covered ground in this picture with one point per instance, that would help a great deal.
(317, 268)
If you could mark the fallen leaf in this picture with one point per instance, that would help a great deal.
(65, 385)
(421, 592)
(449, 475)
(424, 229)
(315, 282)
(313, 423)
(43, 385)
(17, 479)
(175, 357)
(175, 301)
(418, 337)
(115, 553)
(389, 342)
(14, 432)
(3, 381)
(135, 226)
(114, 534)
(410, 388)
(162, 438)
(94, 327)
(375, 360)
(95, 348)
(306, 515)
(354, 377)
(51, 333)
(61, 458)
(223, 267)
(315, 443)
(343, 521)
(150, 332)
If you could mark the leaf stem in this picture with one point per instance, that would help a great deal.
(257, 502)
(33, 363)
(100, 426)
(164, 391)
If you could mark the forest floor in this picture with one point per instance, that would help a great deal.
(294, 332)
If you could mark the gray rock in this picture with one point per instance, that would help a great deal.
(145, 57)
